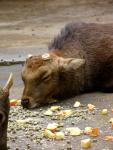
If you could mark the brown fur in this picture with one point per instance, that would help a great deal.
(70, 75)
(94, 43)
(4, 112)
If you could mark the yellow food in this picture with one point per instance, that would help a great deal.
(74, 131)
(15, 102)
(65, 113)
(104, 112)
(86, 143)
(48, 113)
(111, 120)
(59, 135)
(49, 134)
(54, 108)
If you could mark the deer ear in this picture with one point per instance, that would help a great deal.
(73, 63)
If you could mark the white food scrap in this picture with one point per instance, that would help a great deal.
(59, 135)
(48, 113)
(77, 104)
(74, 131)
(65, 113)
(111, 120)
(54, 108)
(52, 126)
(88, 130)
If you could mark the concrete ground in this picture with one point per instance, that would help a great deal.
(27, 26)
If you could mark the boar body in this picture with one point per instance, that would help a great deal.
(94, 43)
(81, 60)
(4, 112)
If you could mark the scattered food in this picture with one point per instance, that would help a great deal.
(54, 108)
(95, 132)
(88, 130)
(53, 130)
(20, 121)
(74, 131)
(90, 107)
(109, 138)
(59, 135)
(52, 127)
(49, 134)
(48, 113)
(15, 102)
(92, 131)
(64, 113)
(112, 125)
(77, 104)
(86, 143)
(104, 112)
(111, 120)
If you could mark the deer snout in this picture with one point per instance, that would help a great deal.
(25, 103)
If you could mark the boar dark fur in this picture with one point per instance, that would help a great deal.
(4, 111)
(94, 43)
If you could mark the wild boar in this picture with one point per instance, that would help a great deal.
(4, 112)
(79, 60)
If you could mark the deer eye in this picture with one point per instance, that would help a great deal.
(46, 77)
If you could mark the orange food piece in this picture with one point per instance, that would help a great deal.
(13, 103)
(53, 130)
(109, 138)
(92, 131)
(95, 132)
(112, 125)
(112, 110)
(90, 107)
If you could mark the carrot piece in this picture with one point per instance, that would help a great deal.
(109, 138)
(13, 103)
(95, 132)
(90, 107)
(112, 125)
